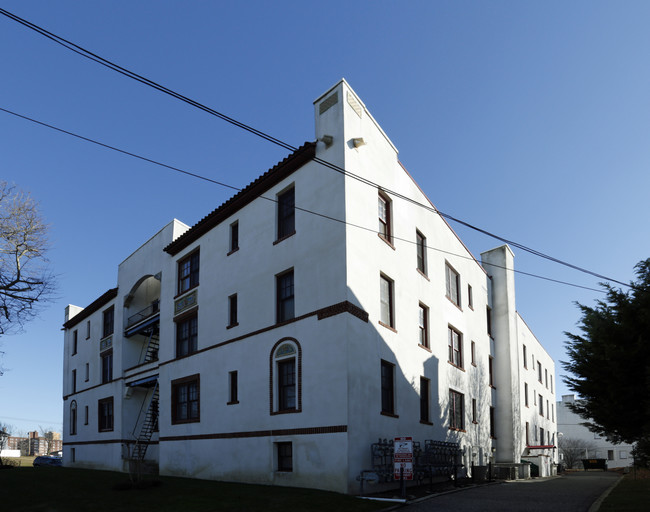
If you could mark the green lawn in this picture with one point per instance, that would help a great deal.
(631, 494)
(63, 489)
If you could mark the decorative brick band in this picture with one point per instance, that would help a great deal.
(343, 307)
(336, 429)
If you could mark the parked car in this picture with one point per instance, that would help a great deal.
(47, 460)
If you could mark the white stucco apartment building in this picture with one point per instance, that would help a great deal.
(570, 427)
(305, 318)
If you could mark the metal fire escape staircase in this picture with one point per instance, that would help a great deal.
(150, 349)
(149, 426)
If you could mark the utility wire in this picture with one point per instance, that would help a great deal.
(273, 200)
(130, 74)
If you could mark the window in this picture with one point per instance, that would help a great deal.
(287, 384)
(74, 381)
(232, 384)
(470, 297)
(539, 371)
(74, 342)
(73, 454)
(285, 456)
(188, 272)
(527, 434)
(387, 388)
(525, 358)
(541, 436)
(610, 454)
(87, 372)
(86, 415)
(455, 347)
(232, 311)
(107, 366)
(109, 317)
(287, 213)
(453, 285)
(421, 248)
(386, 301)
(474, 416)
(541, 405)
(285, 296)
(547, 410)
(424, 326)
(286, 377)
(456, 410)
(492, 431)
(187, 335)
(385, 226)
(546, 377)
(473, 351)
(488, 311)
(425, 387)
(622, 454)
(185, 400)
(551, 383)
(491, 371)
(526, 393)
(88, 329)
(73, 418)
(234, 237)
(105, 414)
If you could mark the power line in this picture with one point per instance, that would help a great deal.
(311, 212)
(130, 74)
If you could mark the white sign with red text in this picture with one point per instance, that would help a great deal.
(403, 457)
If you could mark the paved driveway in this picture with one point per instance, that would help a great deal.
(575, 492)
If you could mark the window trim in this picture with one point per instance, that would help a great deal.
(451, 274)
(193, 274)
(281, 301)
(390, 301)
(108, 322)
(233, 388)
(274, 358)
(233, 320)
(425, 401)
(75, 341)
(233, 242)
(108, 355)
(387, 387)
(470, 297)
(285, 219)
(282, 458)
(421, 252)
(385, 227)
(100, 425)
(174, 386)
(423, 326)
(453, 414)
(451, 350)
(73, 418)
(180, 321)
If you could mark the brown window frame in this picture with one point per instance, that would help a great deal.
(234, 237)
(452, 285)
(425, 400)
(109, 416)
(74, 342)
(190, 320)
(384, 214)
(188, 272)
(285, 296)
(233, 388)
(107, 366)
(421, 251)
(455, 355)
(73, 418)
(284, 452)
(176, 386)
(108, 322)
(423, 325)
(456, 401)
(387, 388)
(386, 302)
(286, 213)
(232, 311)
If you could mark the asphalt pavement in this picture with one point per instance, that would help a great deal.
(572, 492)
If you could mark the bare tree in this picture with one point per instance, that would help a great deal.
(47, 434)
(5, 432)
(25, 278)
(573, 450)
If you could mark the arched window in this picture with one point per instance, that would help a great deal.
(286, 377)
(73, 418)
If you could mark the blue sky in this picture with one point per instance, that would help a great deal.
(528, 119)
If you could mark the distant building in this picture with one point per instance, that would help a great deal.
(271, 344)
(33, 444)
(570, 425)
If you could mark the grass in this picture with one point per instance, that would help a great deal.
(45, 489)
(631, 494)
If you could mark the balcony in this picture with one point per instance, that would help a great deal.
(142, 319)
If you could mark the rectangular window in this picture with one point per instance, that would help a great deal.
(86, 415)
(488, 311)
(452, 280)
(109, 321)
(622, 454)
(539, 371)
(73, 454)
(187, 336)
(386, 294)
(421, 248)
(387, 388)
(492, 431)
(425, 387)
(473, 350)
(470, 297)
(525, 358)
(74, 342)
(285, 456)
(541, 436)
(424, 326)
(285, 296)
(234, 236)
(491, 371)
(232, 311)
(547, 410)
(610, 454)
(541, 405)
(87, 378)
(474, 415)
(546, 377)
(105, 414)
(74, 381)
(88, 329)
(551, 383)
(287, 384)
(107, 366)
(188, 272)
(455, 341)
(527, 434)
(73, 418)
(456, 410)
(526, 393)
(385, 226)
(232, 384)
(185, 400)
(287, 213)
